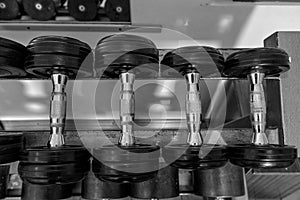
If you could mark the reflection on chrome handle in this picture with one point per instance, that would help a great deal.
(127, 109)
(58, 105)
(258, 108)
(193, 109)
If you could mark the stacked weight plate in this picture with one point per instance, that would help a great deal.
(52, 54)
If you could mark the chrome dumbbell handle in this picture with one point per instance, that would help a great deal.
(258, 108)
(127, 109)
(58, 105)
(193, 109)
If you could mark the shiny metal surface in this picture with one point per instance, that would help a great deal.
(193, 109)
(58, 106)
(258, 108)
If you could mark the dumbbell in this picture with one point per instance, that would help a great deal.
(164, 185)
(256, 64)
(12, 57)
(10, 9)
(220, 183)
(83, 10)
(125, 56)
(51, 171)
(42, 10)
(193, 62)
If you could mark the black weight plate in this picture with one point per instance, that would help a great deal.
(165, 184)
(265, 156)
(10, 138)
(138, 152)
(55, 173)
(9, 9)
(105, 173)
(117, 10)
(93, 188)
(41, 10)
(59, 40)
(192, 157)
(270, 61)
(8, 158)
(7, 52)
(83, 10)
(46, 192)
(58, 48)
(10, 148)
(44, 65)
(140, 65)
(201, 59)
(45, 155)
(13, 45)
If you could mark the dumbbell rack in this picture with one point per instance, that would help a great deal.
(272, 82)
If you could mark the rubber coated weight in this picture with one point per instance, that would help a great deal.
(121, 53)
(41, 10)
(63, 173)
(270, 61)
(46, 192)
(193, 157)
(226, 181)
(118, 10)
(56, 54)
(126, 164)
(264, 156)
(10, 146)
(44, 155)
(83, 10)
(165, 184)
(67, 164)
(93, 188)
(9, 9)
(201, 59)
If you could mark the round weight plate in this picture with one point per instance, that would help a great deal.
(13, 45)
(105, 173)
(10, 67)
(58, 48)
(8, 158)
(165, 184)
(45, 155)
(201, 59)
(192, 157)
(126, 164)
(43, 192)
(63, 173)
(93, 188)
(41, 10)
(44, 65)
(125, 52)
(9, 9)
(83, 10)
(58, 43)
(270, 61)
(117, 10)
(11, 53)
(140, 65)
(10, 138)
(265, 156)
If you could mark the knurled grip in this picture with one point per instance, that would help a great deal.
(127, 109)
(58, 105)
(193, 109)
(258, 108)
